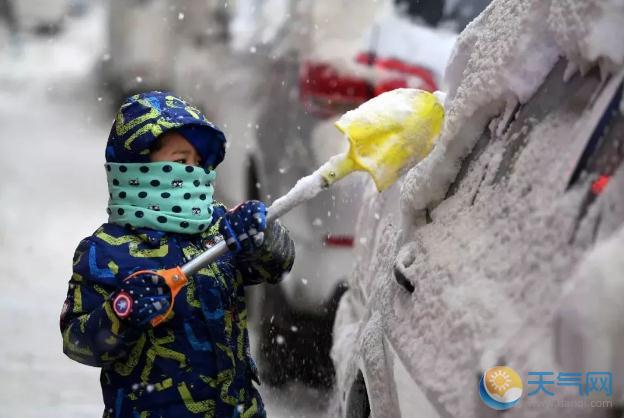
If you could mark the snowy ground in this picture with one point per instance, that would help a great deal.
(53, 193)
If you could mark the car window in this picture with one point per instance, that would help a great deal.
(442, 12)
(462, 12)
(602, 157)
(431, 11)
(554, 96)
(603, 152)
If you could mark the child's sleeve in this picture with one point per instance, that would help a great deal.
(92, 333)
(272, 260)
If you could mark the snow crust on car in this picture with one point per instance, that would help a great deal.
(486, 272)
(501, 58)
(489, 272)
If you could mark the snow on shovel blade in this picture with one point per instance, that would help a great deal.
(391, 132)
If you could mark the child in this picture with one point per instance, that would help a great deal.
(161, 156)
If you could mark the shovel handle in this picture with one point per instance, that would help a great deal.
(205, 258)
(280, 207)
(177, 277)
(211, 254)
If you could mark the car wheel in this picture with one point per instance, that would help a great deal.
(296, 341)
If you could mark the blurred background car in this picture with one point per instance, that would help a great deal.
(141, 47)
(43, 17)
(408, 289)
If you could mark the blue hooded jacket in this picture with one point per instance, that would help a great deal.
(197, 364)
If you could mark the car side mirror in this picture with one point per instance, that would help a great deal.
(406, 258)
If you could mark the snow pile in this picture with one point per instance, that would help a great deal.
(501, 58)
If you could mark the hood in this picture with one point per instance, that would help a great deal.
(143, 117)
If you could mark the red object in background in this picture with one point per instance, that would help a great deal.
(339, 241)
(402, 67)
(599, 185)
(325, 91)
(323, 88)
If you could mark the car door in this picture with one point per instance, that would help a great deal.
(556, 103)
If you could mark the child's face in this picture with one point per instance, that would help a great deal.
(174, 147)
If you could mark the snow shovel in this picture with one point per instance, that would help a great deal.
(387, 134)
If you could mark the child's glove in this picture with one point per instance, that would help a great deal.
(242, 226)
(141, 299)
(278, 249)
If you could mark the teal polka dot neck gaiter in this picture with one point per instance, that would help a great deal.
(165, 196)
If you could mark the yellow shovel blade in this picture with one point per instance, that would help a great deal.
(388, 133)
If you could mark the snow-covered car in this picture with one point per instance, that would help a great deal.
(42, 16)
(503, 246)
(141, 46)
